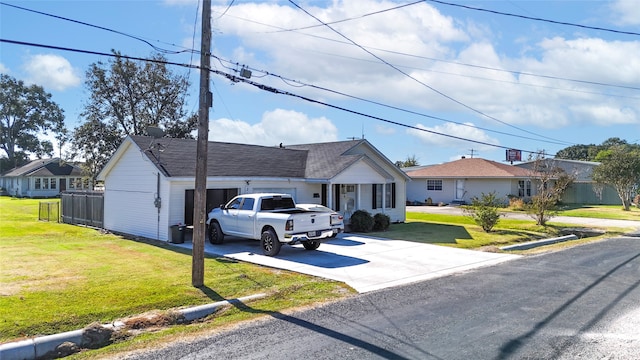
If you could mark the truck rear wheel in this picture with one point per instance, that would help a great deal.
(215, 233)
(311, 245)
(270, 243)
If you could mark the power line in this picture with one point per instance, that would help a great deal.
(302, 84)
(353, 18)
(159, 49)
(515, 72)
(418, 81)
(194, 51)
(236, 79)
(537, 18)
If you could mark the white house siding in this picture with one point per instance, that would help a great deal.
(363, 176)
(130, 191)
(417, 189)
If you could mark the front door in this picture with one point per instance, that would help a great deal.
(347, 200)
(460, 189)
(63, 185)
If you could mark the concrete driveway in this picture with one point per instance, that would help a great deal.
(364, 263)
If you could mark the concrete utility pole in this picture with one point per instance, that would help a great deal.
(200, 193)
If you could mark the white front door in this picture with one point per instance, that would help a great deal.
(459, 189)
(348, 200)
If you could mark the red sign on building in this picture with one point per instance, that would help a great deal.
(514, 155)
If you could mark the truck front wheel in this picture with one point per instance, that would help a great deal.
(215, 233)
(270, 243)
(311, 245)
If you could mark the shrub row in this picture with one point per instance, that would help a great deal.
(362, 221)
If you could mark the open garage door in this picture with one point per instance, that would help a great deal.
(215, 197)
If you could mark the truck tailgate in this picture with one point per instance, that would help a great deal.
(311, 222)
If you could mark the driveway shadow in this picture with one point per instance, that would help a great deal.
(249, 250)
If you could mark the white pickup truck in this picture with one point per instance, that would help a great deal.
(271, 218)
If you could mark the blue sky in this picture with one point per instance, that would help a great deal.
(499, 80)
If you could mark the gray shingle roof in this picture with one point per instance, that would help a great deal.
(177, 158)
(327, 160)
(45, 167)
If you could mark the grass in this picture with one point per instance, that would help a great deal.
(462, 232)
(58, 277)
(602, 212)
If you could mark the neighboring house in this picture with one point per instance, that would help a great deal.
(42, 178)
(149, 183)
(461, 180)
(583, 190)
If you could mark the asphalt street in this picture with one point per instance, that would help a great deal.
(582, 302)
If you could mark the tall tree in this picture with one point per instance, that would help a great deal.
(590, 152)
(25, 113)
(620, 168)
(127, 97)
(409, 162)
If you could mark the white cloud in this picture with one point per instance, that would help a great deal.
(385, 130)
(415, 36)
(277, 126)
(460, 131)
(51, 71)
(3, 69)
(625, 12)
(607, 114)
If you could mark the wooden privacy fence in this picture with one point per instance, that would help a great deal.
(83, 208)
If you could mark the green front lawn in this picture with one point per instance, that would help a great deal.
(57, 277)
(461, 231)
(602, 212)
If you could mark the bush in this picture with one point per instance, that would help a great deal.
(381, 222)
(516, 203)
(361, 221)
(484, 211)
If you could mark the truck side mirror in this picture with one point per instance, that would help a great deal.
(221, 206)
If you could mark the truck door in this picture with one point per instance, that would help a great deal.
(230, 216)
(246, 218)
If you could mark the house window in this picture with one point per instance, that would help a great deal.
(71, 183)
(37, 185)
(45, 183)
(434, 185)
(524, 188)
(53, 183)
(389, 193)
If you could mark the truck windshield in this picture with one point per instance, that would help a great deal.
(277, 203)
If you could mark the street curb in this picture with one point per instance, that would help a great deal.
(532, 244)
(37, 347)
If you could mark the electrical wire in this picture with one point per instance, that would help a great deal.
(423, 83)
(297, 83)
(156, 48)
(236, 79)
(225, 10)
(514, 72)
(194, 51)
(536, 18)
(353, 18)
